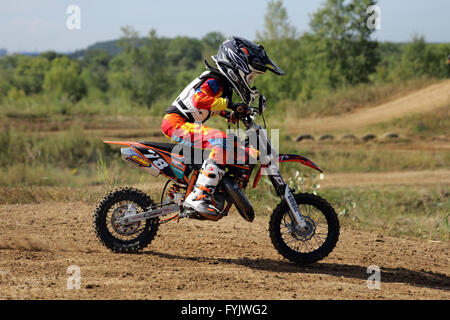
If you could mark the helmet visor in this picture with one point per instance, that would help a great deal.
(270, 65)
(266, 64)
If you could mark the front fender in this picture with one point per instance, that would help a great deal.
(287, 158)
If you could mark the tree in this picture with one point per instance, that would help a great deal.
(421, 59)
(8, 65)
(213, 40)
(50, 55)
(282, 44)
(141, 70)
(290, 55)
(340, 39)
(129, 42)
(276, 23)
(184, 52)
(64, 79)
(95, 69)
(29, 74)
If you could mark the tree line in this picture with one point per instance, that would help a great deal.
(336, 52)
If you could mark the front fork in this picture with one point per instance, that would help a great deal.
(286, 195)
(268, 154)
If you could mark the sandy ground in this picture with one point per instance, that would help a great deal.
(230, 259)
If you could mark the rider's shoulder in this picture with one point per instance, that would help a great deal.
(211, 75)
(212, 79)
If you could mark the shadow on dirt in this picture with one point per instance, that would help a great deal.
(421, 278)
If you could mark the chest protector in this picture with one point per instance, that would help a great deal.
(184, 103)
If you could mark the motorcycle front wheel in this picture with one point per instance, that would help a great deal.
(312, 243)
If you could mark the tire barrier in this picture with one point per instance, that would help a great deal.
(326, 137)
(390, 135)
(305, 137)
(348, 137)
(369, 137)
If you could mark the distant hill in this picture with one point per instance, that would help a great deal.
(110, 46)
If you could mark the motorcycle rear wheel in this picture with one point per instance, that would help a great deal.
(124, 239)
(305, 247)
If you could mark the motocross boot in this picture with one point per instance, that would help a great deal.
(200, 198)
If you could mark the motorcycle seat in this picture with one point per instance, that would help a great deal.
(159, 145)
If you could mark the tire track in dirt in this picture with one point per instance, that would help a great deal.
(231, 259)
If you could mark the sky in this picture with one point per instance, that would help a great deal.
(30, 25)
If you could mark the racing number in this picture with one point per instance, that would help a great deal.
(156, 160)
(160, 164)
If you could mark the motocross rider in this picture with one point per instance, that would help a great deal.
(238, 62)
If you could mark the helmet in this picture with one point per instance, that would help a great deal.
(241, 61)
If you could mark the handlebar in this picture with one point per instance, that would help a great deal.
(247, 117)
(242, 110)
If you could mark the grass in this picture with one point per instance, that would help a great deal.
(66, 149)
(368, 157)
(42, 106)
(69, 155)
(420, 212)
(425, 125)
(415, 212)
(78, 160)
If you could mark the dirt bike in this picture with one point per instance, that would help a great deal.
(303, 228)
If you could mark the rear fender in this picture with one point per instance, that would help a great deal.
(287, 158)
(135, 156)
(159, 161)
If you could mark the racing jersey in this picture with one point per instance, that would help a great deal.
(205, 97)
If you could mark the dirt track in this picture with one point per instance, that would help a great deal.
(423, 100)
(231, 259)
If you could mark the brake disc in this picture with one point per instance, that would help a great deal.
(121, 212)
(303, 234)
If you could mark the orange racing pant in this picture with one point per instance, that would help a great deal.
(197, 135)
